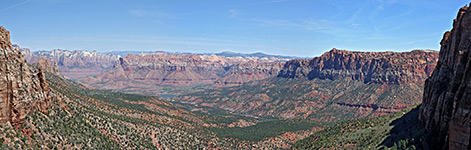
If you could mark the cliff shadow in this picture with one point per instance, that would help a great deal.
(407, 133)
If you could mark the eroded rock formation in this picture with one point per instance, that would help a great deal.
(74, 64)
(446, 108)
(22, 89)
(347, 84)
(375, 67)
(152, 71)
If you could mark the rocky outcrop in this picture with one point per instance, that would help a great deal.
(336, 86)
(22, 89)
(244, 72)
(74, 64)
(446, 107)
(375, 67)
(153, 71)
(4, 38)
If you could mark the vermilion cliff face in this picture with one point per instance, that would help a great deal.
(446, 107)
(22, 89)
(375, 67)
(152, 71)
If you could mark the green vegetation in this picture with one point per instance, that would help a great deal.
(264, 130)
(216, 115)
(400, 130)
(81, 118)
(317, 99)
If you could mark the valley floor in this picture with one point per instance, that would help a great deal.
(81, 118)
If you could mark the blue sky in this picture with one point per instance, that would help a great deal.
(287, 27)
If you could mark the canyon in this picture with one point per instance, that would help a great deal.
(334, 87)
(42, 109)
(342, 99)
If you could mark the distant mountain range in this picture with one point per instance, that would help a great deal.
(258, 54)
(225, 54)
(74, 64)
(182, 71)
(166, 73)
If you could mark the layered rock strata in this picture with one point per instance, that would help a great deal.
(22, 89)
(336, 86)
(375, 67)
(74, 64)
(149, 71)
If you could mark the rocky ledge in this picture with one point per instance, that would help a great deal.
(375, 67)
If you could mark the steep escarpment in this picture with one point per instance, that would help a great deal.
(336, 86)
(74, 64)
(244, 72)
(22, 89)
(446, 107)
(164, 73)
(375, 67)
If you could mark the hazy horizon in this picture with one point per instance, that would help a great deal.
(277, 27)
(217, 52)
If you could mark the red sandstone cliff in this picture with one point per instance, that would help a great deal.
(150, 72)
(375, 67)
(244, 72)
(446, 107)
(336, 86)
(22, 89)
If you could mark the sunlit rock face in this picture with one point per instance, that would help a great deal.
(336, 86)
(22, 89)
(374, 67)
(147, 72)
(74, 64)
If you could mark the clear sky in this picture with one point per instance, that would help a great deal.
(287, 27)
